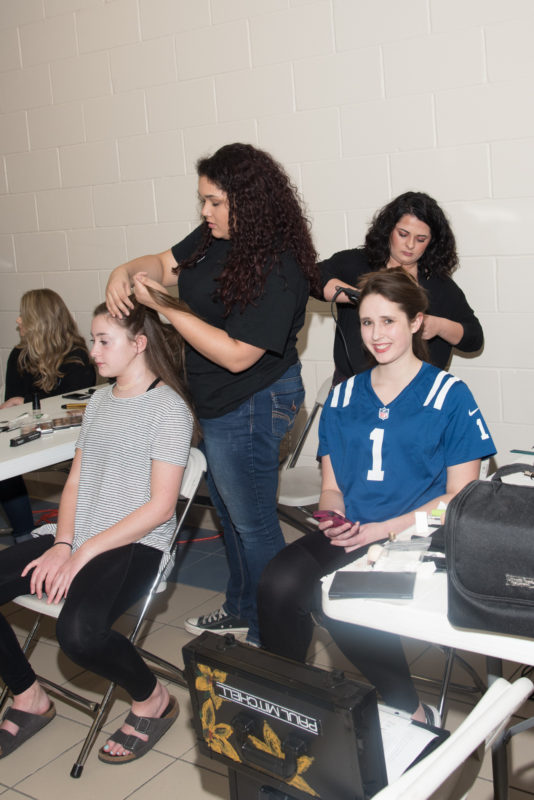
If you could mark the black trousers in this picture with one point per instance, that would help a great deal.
(290, 591)
(16, 504)
(103, 590)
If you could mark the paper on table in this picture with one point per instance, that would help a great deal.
(402, 741)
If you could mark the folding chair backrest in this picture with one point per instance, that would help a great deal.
(320, 400)
(486, 720)
(194, 471)
(196, 467)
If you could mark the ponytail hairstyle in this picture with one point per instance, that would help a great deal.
(165, 349)
(49, 335)
(398, 286)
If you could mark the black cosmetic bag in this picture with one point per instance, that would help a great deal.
(489, 543)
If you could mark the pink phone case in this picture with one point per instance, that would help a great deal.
(333, 516)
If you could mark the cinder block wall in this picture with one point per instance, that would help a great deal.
(106, 104)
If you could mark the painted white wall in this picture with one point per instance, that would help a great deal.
(106, 104)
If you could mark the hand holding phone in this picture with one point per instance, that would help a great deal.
(331, 516)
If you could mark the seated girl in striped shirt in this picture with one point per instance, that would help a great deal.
(116, 519)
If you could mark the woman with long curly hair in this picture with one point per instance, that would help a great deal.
(246, 272)
(411, 232)
(51, 358)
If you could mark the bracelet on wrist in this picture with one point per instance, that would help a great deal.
(67, 543)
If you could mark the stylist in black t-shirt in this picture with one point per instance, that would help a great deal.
(411, 232)
(246, 273)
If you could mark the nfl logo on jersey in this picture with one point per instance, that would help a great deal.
(383, 413)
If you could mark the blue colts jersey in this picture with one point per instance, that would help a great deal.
(389, 460)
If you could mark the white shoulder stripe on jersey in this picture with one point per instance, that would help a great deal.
(348, 390)
(440, 399)
(335, 396)
(435, 386)
(334, 403)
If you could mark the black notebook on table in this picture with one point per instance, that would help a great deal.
(387, 585)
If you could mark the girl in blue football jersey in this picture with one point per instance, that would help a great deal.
(393, 440)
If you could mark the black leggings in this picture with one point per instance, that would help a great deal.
(103, 590)
(290, 591)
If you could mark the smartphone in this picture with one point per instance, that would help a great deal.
(77, 396)
(335, 518)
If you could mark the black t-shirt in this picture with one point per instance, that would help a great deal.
(446, 299)
(271, 323)
(76, 376)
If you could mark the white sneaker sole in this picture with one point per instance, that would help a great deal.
(198, 629)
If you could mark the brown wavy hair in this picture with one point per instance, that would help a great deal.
(398, 286)
(265, 219)
(49, 334)
(165, 350)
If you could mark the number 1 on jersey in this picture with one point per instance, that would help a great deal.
(376, 473)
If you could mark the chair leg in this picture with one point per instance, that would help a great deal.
(25, 647)
(291, 519)
(66, 694)
(446, 679)
(168, 671)
(480, 686)
(452, 657)
(94, 730)
(3, 697)
(33, 632)
(164, 669)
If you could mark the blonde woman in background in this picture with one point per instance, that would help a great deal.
(51, 358)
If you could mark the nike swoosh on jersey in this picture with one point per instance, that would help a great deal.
(473, 412)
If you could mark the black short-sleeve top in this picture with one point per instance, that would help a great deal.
(445, 297)
(271, 323)
(78, 373)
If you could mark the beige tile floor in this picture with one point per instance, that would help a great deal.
(175, 768)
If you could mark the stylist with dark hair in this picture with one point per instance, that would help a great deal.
(246, 272)
(411, 232)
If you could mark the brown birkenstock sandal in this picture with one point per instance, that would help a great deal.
(153, 727)
(28, 724)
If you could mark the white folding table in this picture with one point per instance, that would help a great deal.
(425, 617)
(50, 448)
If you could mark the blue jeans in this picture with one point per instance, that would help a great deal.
(243, 452)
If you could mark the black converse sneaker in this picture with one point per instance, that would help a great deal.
(217, 622)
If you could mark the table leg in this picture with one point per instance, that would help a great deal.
(499, 757)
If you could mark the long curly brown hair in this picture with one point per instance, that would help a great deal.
(49, 334)
(265, 219)
(440, 257)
